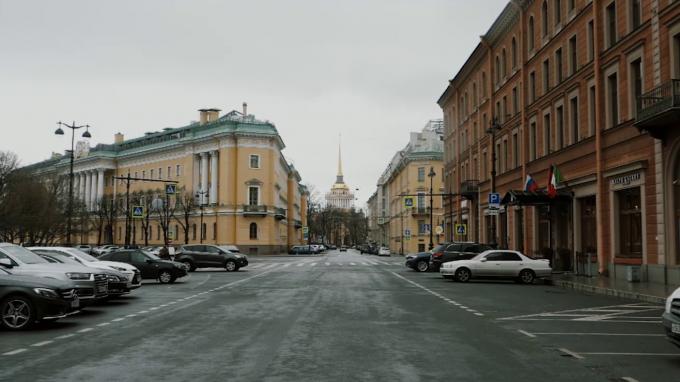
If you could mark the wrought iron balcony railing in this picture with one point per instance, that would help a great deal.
(659, 109)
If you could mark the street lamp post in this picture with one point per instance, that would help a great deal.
(201, 197)
(69, 208)
(495, 126)
(432, 174)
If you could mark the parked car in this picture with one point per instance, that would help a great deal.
(231, 248)
(117, 283)
(104, 249)
(671, 318)
(85, 248)
(332, 247)
(210, 256)
(26, 300)
(91, 284)
(497, 264)
(384, 251)
(301, 250)
(419, 262)
(455, 251)
(150, 265)
(132, 274)
(343, 248)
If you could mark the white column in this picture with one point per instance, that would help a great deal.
(88, 188)
(213, 177)
(203, 187)
(93, 189)
(100, 185)
(76, 185)
(81, 192)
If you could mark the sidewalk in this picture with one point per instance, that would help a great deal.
(643, 291)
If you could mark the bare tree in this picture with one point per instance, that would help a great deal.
(165, 208)
(186, 206)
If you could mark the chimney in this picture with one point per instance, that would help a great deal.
(203, 116)
(245, 109)
(208, 115)
(118, 138)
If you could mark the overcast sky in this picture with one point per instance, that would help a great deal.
(370, 70)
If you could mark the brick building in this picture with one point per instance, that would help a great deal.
(585, 86)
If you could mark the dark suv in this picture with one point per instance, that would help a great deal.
(210, 256)
(455, 251)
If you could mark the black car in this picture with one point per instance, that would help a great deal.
(420, 261)
(150, 265)
(209, 256)
(301, 250)
(25, 300)
(446, 252)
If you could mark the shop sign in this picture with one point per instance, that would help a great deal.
(625, 179)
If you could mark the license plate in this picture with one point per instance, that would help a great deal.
(101, 289)
(675, 328)
(75, 303)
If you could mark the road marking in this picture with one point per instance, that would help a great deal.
(633, 354)
(526, 333)
(437, 294)
(104, 324)
(85, 330)
(154, 308)
(463, 307)
(570, 353)
(601, 334)
(629, 379)
(327, 264)
(300, 264)
(39, 344)
(352, 264)
(118, 319)
(13, 352)
(143, 311)
(312, 264)
(64, 336)
(609, 313)
(479, 314)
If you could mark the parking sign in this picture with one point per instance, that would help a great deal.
(494, 200)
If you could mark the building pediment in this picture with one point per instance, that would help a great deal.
(254, 182)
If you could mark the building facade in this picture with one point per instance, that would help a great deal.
(573, 86)
(230, 169)
(340, 196)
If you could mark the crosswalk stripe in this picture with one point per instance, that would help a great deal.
(312, 264)
(352, 264)
(328, 264)
(301, 264)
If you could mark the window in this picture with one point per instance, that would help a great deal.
(546, 135)
(558, 12)
(475, 100)
(214, 231)
(158, 232)
(515, 105)
(203, 231)
(591, 110)
(558, 65)
(573, 119)
(591, 41)
(253, 231)
(421, 201)
(546, 76)
(193, 231)
(612, 100)
(483, 84)
(544, 19)
(152, 174)
(144, 174)
(532, 140)
(169, 172)
(254, 196)
(421, 227)
(504, 111)
(573, 61)
(421, 171)
(484, 164)
(505, 155)
(504, 63)
(178, 170)
(514, 53)
(530, 33)
(675, 57)
(160, 173)
(515, 151)
(635, 14)
(635, 81)
(498, 70)
(610, 24)
(630, 222)
(571, 5)
(510, 256)
(532, 87)
(559, 125)
(254, 161)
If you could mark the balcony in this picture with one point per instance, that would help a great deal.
(469, 189)
(298, 224)
(420, 211)
(280, 213)
(659, 109)
(254, 210)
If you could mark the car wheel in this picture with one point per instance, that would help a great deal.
(463, 275)
(230, 266)
(165, 277)
(190, 266)
(527, 276)
(422, 266)
(17, 313)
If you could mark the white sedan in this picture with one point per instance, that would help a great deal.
(498, 264)
(131, 272)
(384, 251)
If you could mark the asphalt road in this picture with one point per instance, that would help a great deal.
(340, 317)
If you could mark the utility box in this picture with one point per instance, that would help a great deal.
(633, 273)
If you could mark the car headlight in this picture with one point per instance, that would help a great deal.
(79, 276)
(46, 292)
(121, 269)
(113, 278)
(669, 301)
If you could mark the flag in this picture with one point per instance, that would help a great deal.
(530, 185)
(554, 180)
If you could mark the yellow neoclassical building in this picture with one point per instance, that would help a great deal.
(230, 174)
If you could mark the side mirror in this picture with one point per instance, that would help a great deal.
(483, 260)
(7, 263)
(149, 261)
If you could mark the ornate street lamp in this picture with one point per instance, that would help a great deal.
(495, 127)
(432, 174)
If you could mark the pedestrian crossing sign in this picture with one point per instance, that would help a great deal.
(170, 189)
(461, 229)
(408, 202)
(138, 212)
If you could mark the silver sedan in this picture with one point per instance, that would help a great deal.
(497, 264)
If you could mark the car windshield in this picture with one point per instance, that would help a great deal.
(62, 258)
(150, 255)
(23, 255)
(225, 249)
(83, 256)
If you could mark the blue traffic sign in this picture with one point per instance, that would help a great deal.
(494, 200)
(138, 212)
(407, 232)
(170, 189)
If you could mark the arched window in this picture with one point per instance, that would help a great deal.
(475, 100)
(498, 70)
(483, 84)
(504, 63)
(544, 19)
(514, 53)
(204, 230)
(253, 231)
(530, 34)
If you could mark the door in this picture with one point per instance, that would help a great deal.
(452, 252)
(198, 255)
(148, 270)
(510, 265)
(490, 267)
(213, 256)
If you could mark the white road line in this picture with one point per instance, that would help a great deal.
(301, 264)
(104, 324)
(286, 265)
(364, 264)
(327, 264)
(312, 264)
(154, 308)
(597, 321)
(601, 334)
(629, 379)
(143, 311)
(39, 344)
(463, 306)
(13, 352)
(634, 354)
(437, 295)
(479, 314)
(352, 264)
(526, 333)
(571, 353)
(85, 330)
(118, 319)
(64, 336)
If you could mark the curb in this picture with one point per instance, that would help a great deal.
(608, 291)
